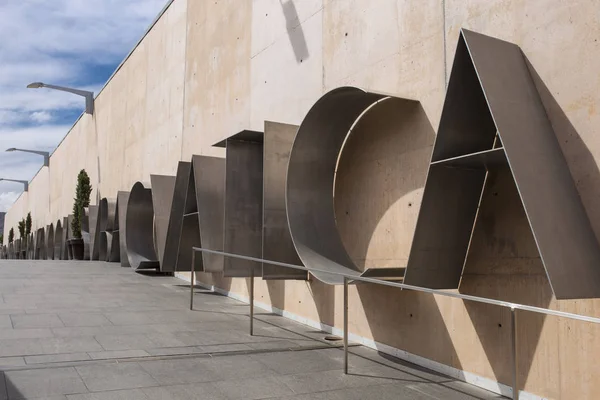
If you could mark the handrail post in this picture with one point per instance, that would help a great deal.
(192, 280)
(345, 325)
(513, 337)
(252, 302)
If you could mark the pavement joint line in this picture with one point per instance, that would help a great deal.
(65, 364)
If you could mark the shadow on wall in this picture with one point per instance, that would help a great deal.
(294, 30)
(504, 262)
(379, 182)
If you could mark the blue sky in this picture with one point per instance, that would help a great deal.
(76, 43)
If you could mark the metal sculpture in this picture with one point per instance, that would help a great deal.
(183, 231)
(30, 247)
(277, 242)
(243, 202)
(66, 230)
(94, 230)
(85, 233)
(209, 181)
(17, 247)
(493, 117)
(139, 228)
(122, 201)
(70, 219)
(310, 182)
(107, 215)
(40, 245)
(163, 187)
(58, 240)
(49, 242)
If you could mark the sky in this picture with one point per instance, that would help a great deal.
(74, 43)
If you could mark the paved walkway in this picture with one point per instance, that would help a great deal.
(92, 330)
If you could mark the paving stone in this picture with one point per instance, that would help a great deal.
(43, 382)
(5, 322)
(76, 344)
(179, 371)
(197, 391)
(253, 388)
(36, 321)
(25, 333)
(296, 362)
(80, 319)
(170, 351)
(105, 355)
(114, 313)
(312, 382)
(131, 394)
(103, 377)
(54, 358)
(225, 348)
(20, 347)
(7, 362)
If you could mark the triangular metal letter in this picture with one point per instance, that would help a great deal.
(493, 117)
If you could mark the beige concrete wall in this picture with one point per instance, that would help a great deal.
(208, 69)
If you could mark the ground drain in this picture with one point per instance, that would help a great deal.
(332, 338)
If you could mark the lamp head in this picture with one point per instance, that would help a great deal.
(11, 149)
(35, 85)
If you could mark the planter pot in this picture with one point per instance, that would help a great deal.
(76, 246)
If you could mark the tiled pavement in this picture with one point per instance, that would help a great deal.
(96, 331)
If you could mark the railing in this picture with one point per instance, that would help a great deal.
(514, 307)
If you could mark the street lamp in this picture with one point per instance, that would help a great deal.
(25, 183)
(41, 153)
(89, 96)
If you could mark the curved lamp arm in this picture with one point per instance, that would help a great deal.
(89, 96)
(45, 154)
(25, 183)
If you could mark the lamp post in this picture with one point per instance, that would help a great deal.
(89, 96)
(45, 154)
(25, 183)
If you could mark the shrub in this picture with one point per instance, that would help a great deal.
(82, 200)
(28, 224)
(22, 228)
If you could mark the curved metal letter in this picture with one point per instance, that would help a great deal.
(50, 242)
(311, 176)
(106, 224)
(140, 228)
(94, 222)
(209, 176)
(40, 245)
(162, 198)
(85, 233)
(58, 237)
(243, 202)
(122, 200)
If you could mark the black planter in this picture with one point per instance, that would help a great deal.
(76, 248)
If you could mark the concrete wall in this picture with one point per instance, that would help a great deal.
(208, 69)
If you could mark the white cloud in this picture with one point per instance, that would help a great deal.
(58, 42)
(55, 41)
(41, 116)
(7, 199)
(45, 137)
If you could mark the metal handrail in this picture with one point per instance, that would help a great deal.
(353, 278)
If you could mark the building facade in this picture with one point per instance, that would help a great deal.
(208, 69)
